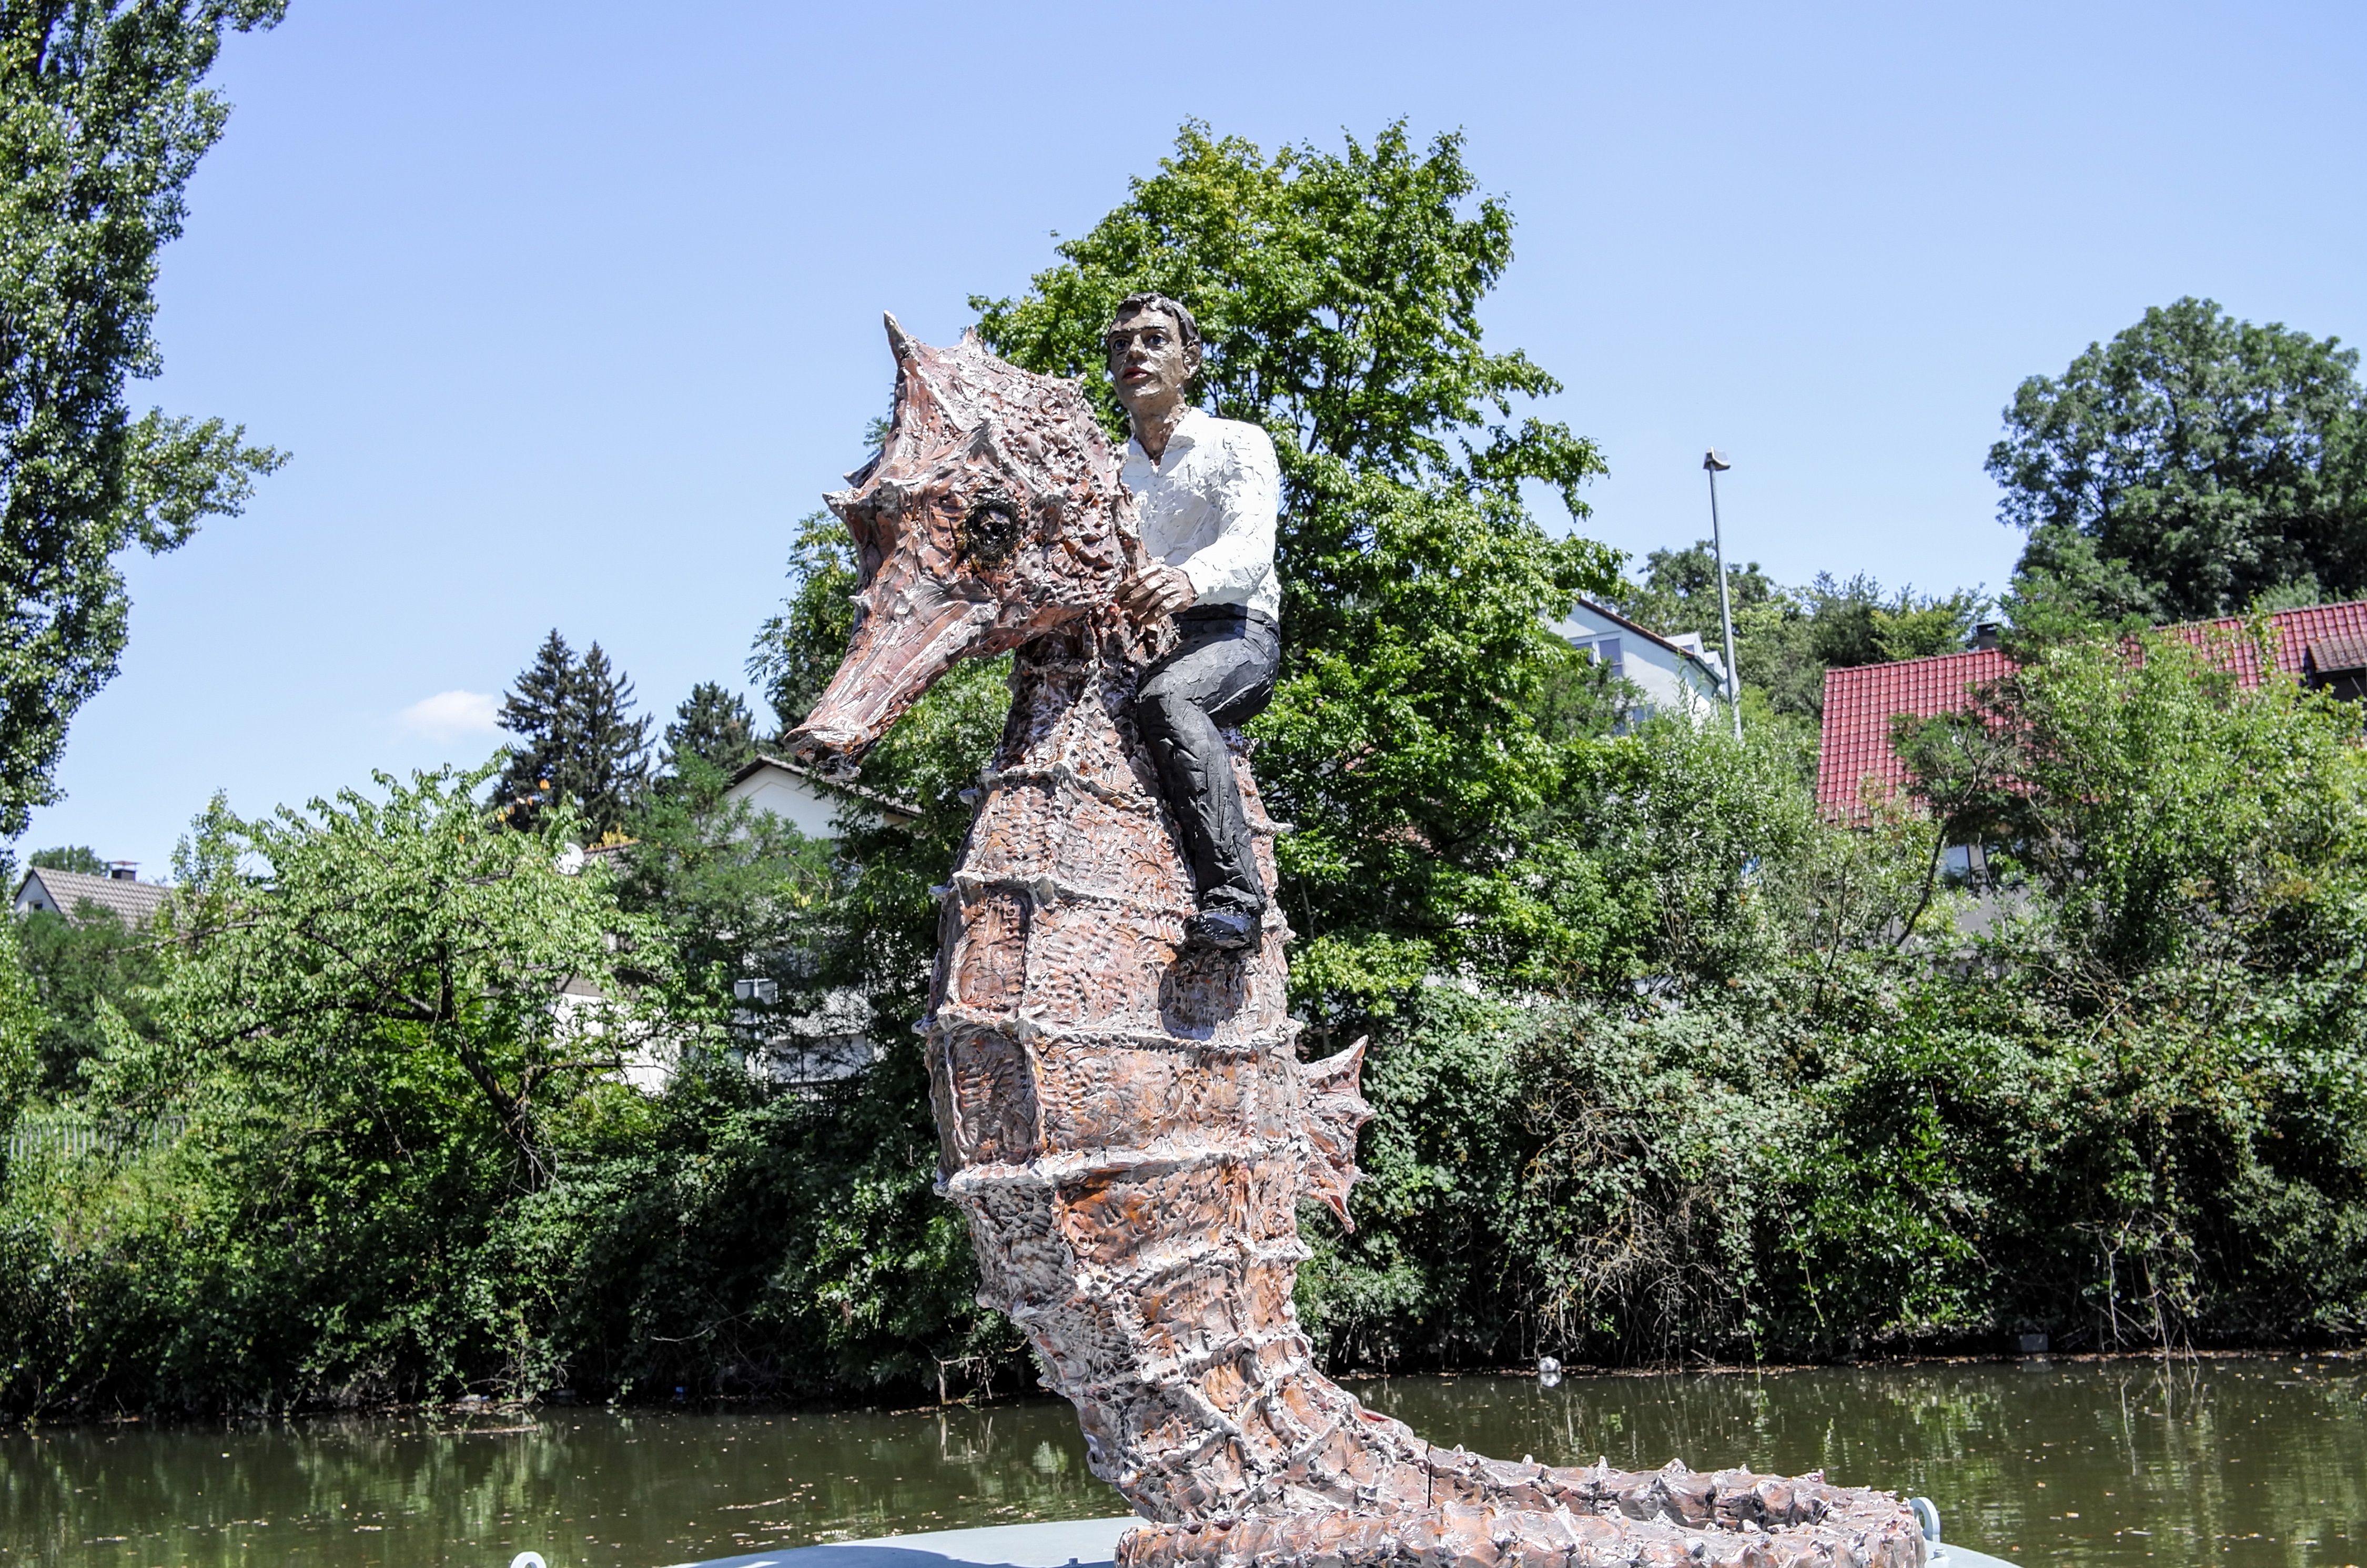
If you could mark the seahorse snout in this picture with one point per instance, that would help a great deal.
(831, 751)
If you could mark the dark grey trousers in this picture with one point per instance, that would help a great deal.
(1220, 674)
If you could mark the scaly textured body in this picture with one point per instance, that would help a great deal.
(1127, 1124)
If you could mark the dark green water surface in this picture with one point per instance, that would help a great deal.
(2236, 1461)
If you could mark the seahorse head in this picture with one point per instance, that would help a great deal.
(993, 515)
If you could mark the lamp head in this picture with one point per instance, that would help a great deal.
(1714, 460)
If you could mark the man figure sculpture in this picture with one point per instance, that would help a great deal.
(1206, 490)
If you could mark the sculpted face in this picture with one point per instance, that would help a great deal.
(1149, 362)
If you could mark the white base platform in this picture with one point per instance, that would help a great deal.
(1087, 1543)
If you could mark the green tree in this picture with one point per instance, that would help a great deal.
(578, 742)
(72, 857)
(395, 1037)
(797, 650)
(712, 725)
(2181, 823)
(738, 891)
(92, 975)
(22, 1027)
(1678, 592)
(1835, 624)
(103, 119)
(1423, 1279)
(881, 1260)
(1425, 705)
(377, 931)
(2193, 878)
(2187, 468)
(1820, 1115)
(1785, 638)
(865, 1257)
(1337, 295)
(611, 747)
(1612, 1174)
(1652, 1150)
(537, 710)
(826, 1248)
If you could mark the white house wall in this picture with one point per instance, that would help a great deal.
(1671, 679)
(788, 798)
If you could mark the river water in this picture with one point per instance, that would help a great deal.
(2239, 1462)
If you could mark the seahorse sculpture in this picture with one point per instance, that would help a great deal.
(1127, 1124)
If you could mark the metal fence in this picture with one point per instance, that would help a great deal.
(59, 1137)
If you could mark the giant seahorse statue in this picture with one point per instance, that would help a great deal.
(1127, 1124)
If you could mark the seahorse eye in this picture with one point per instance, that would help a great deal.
(991, 532)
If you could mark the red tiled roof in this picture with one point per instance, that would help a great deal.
(2291, 635)
(2327, 655)
(1861, 702)
(1859, 705)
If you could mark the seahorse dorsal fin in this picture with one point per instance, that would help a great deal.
(1334, 1112)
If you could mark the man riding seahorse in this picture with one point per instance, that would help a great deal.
(1207, 490)
(1123, 1115)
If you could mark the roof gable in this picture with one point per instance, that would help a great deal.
(1707, 664)
(132, 903)
(753, 778)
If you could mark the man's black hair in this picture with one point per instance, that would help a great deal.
(1175, 308)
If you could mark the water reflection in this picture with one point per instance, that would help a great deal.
(580, 1487)
(2239, 1462)
(2236, 1461)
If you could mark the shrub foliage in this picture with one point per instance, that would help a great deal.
(395, 1102)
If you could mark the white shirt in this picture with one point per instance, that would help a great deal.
(1207, 506)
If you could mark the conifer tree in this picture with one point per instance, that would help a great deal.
(606, 762)
(536, 711)
(713, 725)
(577, 740)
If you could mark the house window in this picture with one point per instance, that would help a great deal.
(1606, 650)
(1966, 866)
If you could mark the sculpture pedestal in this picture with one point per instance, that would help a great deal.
(1088, 1543)
(1085, 1543)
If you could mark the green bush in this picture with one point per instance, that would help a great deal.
(1790, 1107)
(1773, 1099)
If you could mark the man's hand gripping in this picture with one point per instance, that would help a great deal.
(1156, 592)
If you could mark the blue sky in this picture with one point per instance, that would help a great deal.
(568, 310)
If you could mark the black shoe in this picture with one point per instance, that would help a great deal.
(1226, 930)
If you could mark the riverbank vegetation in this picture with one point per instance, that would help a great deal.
(407, 1094)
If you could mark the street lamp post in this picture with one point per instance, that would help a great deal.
(1714, 461)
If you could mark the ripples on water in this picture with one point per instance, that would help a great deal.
(2239, 1462)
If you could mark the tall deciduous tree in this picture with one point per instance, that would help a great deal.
(1339, 296)
(103, 119)
(1411, 742)
(2187, 468)
(797, 650)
